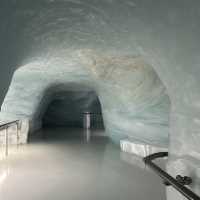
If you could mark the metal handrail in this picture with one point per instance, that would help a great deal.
(167, 178)
(6, 126)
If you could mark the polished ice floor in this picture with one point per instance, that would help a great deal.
(62, 167)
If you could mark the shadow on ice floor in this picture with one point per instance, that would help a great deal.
(62, 167)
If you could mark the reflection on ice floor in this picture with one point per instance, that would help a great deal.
(63, 167)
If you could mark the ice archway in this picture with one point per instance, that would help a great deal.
(164, 33)
(134, 102)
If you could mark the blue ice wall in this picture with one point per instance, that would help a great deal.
(55, 36)
(134, 102)
(164, 33)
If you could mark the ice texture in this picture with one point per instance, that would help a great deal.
(134, 101)
(129, 90)
(138, 149)
(164, 33)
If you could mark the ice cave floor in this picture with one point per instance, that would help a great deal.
(59, 166)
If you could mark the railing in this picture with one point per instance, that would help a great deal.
(178, 183)
(5, 127)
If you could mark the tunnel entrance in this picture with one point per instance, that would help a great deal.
(67, 110)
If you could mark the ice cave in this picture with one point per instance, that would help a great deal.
(132, 64)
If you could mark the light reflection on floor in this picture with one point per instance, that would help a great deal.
(61, 167)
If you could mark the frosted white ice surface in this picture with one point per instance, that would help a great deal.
(161, 31)
(134, 102)
(140, 149)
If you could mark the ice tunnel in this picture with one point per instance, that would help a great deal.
(139, 58)
(129, 91)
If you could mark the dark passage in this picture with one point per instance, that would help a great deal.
(67, 110)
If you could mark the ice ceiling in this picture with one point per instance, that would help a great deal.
(52, 34)
(134, 102)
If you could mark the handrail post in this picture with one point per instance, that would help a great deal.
(17, 123)
(176, 183)
(6, 142)
(5, 127)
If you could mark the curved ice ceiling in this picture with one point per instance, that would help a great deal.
(55, 32)
(164, 33)
(134, 102)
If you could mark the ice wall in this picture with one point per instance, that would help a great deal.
(134, 100)
(164, 33)
(129, 90)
